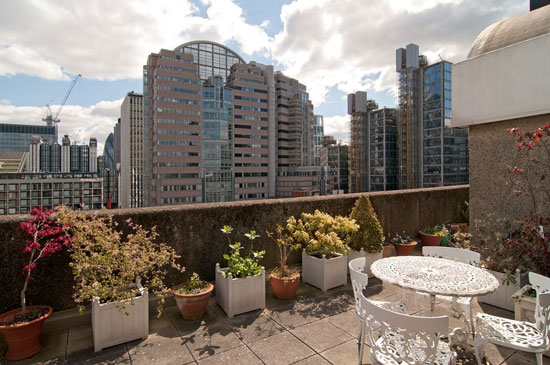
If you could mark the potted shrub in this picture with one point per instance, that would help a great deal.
(403, 244)
(369, 239)
(285, 281)
(325, 238)
(109, 272)
(432, 236)
(240, 287)
(21, 327)
(192, 297)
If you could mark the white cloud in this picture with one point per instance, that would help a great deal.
(351, 45)
(80, 123)
(338, 127)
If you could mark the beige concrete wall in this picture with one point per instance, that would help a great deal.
(194, 231)
(492, 150)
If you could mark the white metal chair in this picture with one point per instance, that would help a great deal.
(359, 281)
(519, 335)
(404, 339)
(456, 254)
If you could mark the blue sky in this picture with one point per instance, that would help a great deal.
(334, 47)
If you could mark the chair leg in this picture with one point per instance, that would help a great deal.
(361, 343)
(479, 350)
(469, 310)
(539, 358)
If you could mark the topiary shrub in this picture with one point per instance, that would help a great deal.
(370, 235)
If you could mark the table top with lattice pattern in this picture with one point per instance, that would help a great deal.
(435, 275)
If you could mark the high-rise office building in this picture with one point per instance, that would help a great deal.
(430, 152)
(52, 157)
(109, 152)
(17, 137)
(249, 137)
(131, 151)
(336, 159)
(383, 167)
(318, 133)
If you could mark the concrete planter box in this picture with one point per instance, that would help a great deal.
(324, 273)
(502, 297)
(241, 295)
(112, 325)
(370, 258)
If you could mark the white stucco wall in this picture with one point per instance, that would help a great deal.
(512, 82)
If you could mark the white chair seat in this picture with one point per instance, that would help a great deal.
(509, 332)
(444, 354)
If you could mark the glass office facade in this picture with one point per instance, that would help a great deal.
(217, 111)
(383, 162)
(17, 137)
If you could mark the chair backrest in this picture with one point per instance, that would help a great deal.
(542, 316)
(453, 253)
(406, 339)
(541, 284)
(359, 279)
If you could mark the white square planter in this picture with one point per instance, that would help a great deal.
(112, 325)
(324, 273)
(240, 295)
(524, 307)
(502, 297)
(370, 259)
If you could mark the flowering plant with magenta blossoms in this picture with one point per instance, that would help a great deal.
(46, 238)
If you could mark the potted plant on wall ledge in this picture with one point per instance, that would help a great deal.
(240, 287)
(369, 239)
(192, 297)
(432, 236)
(109, 272)
(285, 281)
(403, 244)
(325, 238)
(21, 327)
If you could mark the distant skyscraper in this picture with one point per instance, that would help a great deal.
(383, 166)
(318, 133)
(430, 152)
(52, 157)
(109, 152)
(336, 158)
(131, 151)
(17, 137)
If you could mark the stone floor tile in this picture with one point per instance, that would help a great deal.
(282, 348)
(346, 353)
(161, 329)
(80, 338)
(254, 326)
(111, 355)
(240, 355)
(495, 355)
(168, 351)
(292, 316)
(321, 335)
(54, 349)
(211, 340)
(347, 321)
(530, 356)
(187, 327)
(313, 360)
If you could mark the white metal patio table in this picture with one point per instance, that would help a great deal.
(437, 276)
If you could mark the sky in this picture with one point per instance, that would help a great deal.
(334, 47)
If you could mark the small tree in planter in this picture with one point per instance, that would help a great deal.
(369, 239)
(325, 239)
(242, 278)
(192, 297)
(22, 327)
(285, 281)
(109, 272)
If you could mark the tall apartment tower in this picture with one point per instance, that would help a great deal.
(131, 151)
(65, 154)
(318, 134)
(53, 157)
(383, 168)
(430, 152)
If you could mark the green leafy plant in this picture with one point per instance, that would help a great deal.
(242, 266)
(370, 235)
(439, 230)
(106, 265)
(194, 286)
(286, 244)
(323, 234)
(403, 239)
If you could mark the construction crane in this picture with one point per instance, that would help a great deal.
(54, 120)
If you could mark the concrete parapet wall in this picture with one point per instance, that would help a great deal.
(194, 231)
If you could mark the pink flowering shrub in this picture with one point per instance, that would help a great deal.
(46, 237)
(106, 264)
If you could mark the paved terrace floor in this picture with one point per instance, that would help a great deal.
(314, 328)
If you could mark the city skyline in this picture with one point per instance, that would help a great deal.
(298, 38)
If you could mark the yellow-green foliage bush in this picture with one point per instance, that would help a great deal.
(370, 235)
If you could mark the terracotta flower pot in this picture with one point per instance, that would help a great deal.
(430, 239)
(23, 339)
(404, 249)
(193, 306)
(284, 288)
(387, 251)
